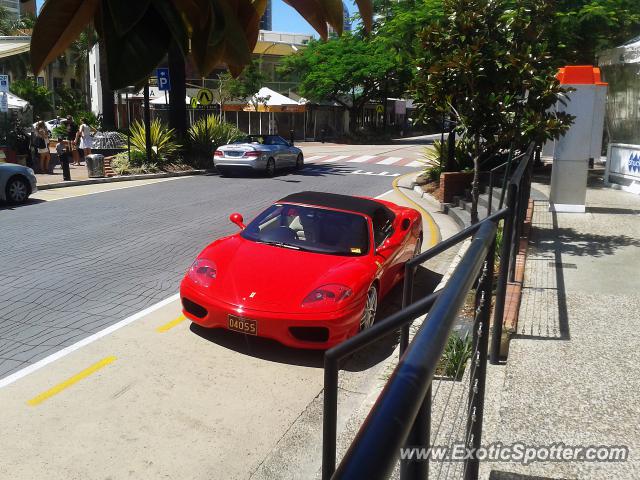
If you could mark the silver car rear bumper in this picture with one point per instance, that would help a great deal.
(259, 163)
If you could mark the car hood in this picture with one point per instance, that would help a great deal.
(14, 168)
(276, 279)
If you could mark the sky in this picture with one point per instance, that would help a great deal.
(285, 18)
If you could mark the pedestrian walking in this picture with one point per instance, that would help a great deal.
(42, 144)
(72, 133)
(84, 135)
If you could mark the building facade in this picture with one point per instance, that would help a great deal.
(266, 23)
(12, 7)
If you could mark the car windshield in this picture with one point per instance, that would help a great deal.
(310, 228)
(262, 139)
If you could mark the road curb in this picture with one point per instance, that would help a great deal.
(124, 178)
(434, 228)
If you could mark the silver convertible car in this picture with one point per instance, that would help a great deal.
(16, 183)
(264, 153)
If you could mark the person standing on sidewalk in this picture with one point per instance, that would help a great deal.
(63, 157)
(84, 135)
(42, 144)
(72, 133)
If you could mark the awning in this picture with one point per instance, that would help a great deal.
(272, 101)
(10, 46)
(275, 48)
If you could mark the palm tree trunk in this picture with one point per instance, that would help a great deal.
(108, 111)
(177, 107)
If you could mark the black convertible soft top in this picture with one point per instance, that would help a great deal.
(343, 202)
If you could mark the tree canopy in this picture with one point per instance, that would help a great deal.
(486, 63)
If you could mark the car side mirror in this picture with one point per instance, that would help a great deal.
(237, 219)
(406, 223)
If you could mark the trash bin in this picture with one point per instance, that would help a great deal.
(95, 165)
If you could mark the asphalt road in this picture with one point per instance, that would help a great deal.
(72, 267)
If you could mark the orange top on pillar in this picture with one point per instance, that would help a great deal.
(580, 75)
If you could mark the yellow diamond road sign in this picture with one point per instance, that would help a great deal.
(379, 108)
(205, 96)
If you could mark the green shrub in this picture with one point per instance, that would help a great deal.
(457, 352)
(206, 135)
(212, 132)
(123, 165)
(433, 173)
(434, 153)
(164, 147)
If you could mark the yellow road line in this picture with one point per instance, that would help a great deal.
(171, 324)
(434, 231)
(67, 383)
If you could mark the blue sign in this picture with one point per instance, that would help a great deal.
(634, 163)
(164, 84)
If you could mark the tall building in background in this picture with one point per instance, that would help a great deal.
(266, 22)
(346, 25)
(28, 8)
(12, 7)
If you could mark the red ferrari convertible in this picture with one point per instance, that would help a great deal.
(308, 272)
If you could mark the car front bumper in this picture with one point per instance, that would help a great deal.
(33, 183)
(259, 163)
(286, 328)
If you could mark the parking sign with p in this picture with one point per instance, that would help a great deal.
(164, 83)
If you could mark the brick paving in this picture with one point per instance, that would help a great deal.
(75, 266)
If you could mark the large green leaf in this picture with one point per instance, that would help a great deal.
(59, 24)
(365, 7)
(313, 12)
(195, 11)
(126, 13)
(133, 56)
(207, 46)
(236, 47)
(174, 21)
(334, 14)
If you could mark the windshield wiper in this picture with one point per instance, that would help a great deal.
(280, 244)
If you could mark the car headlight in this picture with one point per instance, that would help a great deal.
(31, 172)
(332, 294)
(203, 272)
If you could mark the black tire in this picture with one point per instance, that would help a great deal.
(17, 190)
(270, 169)
(299, 162)
(370, 308)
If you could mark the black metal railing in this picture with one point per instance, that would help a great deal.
(402, 415)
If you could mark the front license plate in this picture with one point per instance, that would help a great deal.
(243, 325)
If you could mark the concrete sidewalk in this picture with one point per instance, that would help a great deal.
(573, 371)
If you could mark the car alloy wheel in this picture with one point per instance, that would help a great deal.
(299, 162)
(370, 308)
(17, 191)
(270, 171)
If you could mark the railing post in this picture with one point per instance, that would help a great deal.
(477, 380)
(407, 294)
(329, 417)
(490, 193)
(420, 437)
(507, 239)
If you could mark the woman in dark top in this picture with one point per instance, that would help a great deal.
(72, 132)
